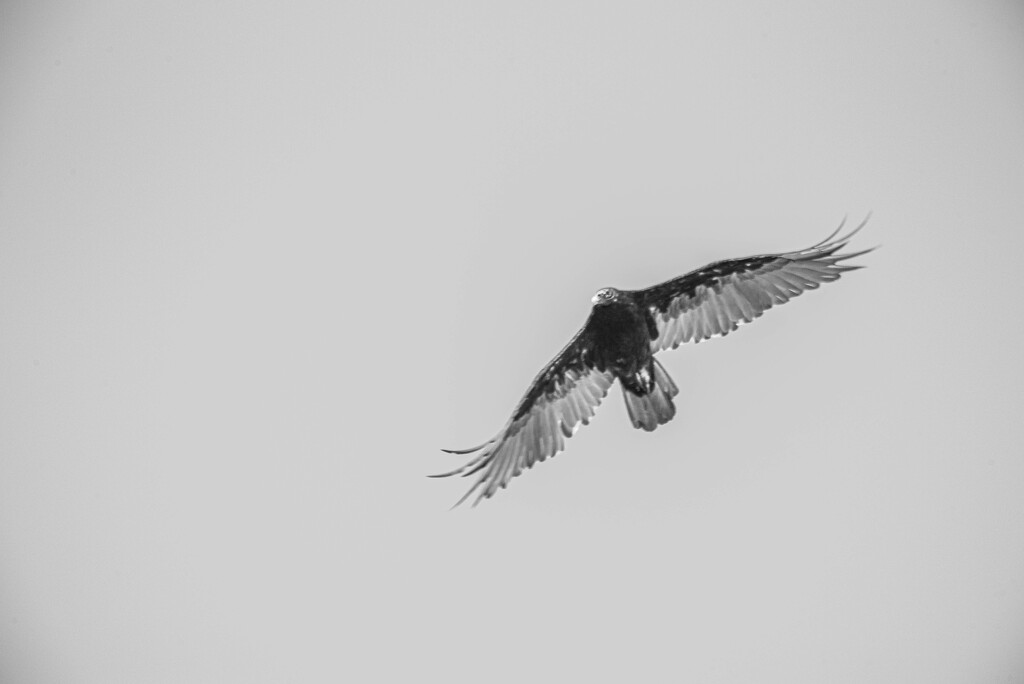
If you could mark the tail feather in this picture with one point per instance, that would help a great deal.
(655, 408)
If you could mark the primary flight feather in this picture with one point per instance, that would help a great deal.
(624, 331)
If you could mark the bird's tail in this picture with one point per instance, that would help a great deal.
(654, 407)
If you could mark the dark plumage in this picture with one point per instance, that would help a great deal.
(624, 331)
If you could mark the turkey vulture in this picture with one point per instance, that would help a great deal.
(624, 331)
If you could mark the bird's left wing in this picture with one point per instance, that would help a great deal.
(716, 299)
(562, 397)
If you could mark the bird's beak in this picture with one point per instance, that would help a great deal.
(595, 299)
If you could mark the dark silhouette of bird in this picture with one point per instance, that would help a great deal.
(624, 331)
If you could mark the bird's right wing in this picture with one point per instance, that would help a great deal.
(716, 299)
(562, 397)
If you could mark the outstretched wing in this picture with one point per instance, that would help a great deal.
(718, 298)
(563, 396)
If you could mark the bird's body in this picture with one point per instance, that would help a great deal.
(624, 331)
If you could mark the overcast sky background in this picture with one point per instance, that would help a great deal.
(259, 261)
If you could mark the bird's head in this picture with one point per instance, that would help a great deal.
(605, 295)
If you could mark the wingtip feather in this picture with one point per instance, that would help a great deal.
(462, 452)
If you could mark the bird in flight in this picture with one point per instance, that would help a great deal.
(624, 331)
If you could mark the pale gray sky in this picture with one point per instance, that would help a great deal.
(259, 261)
